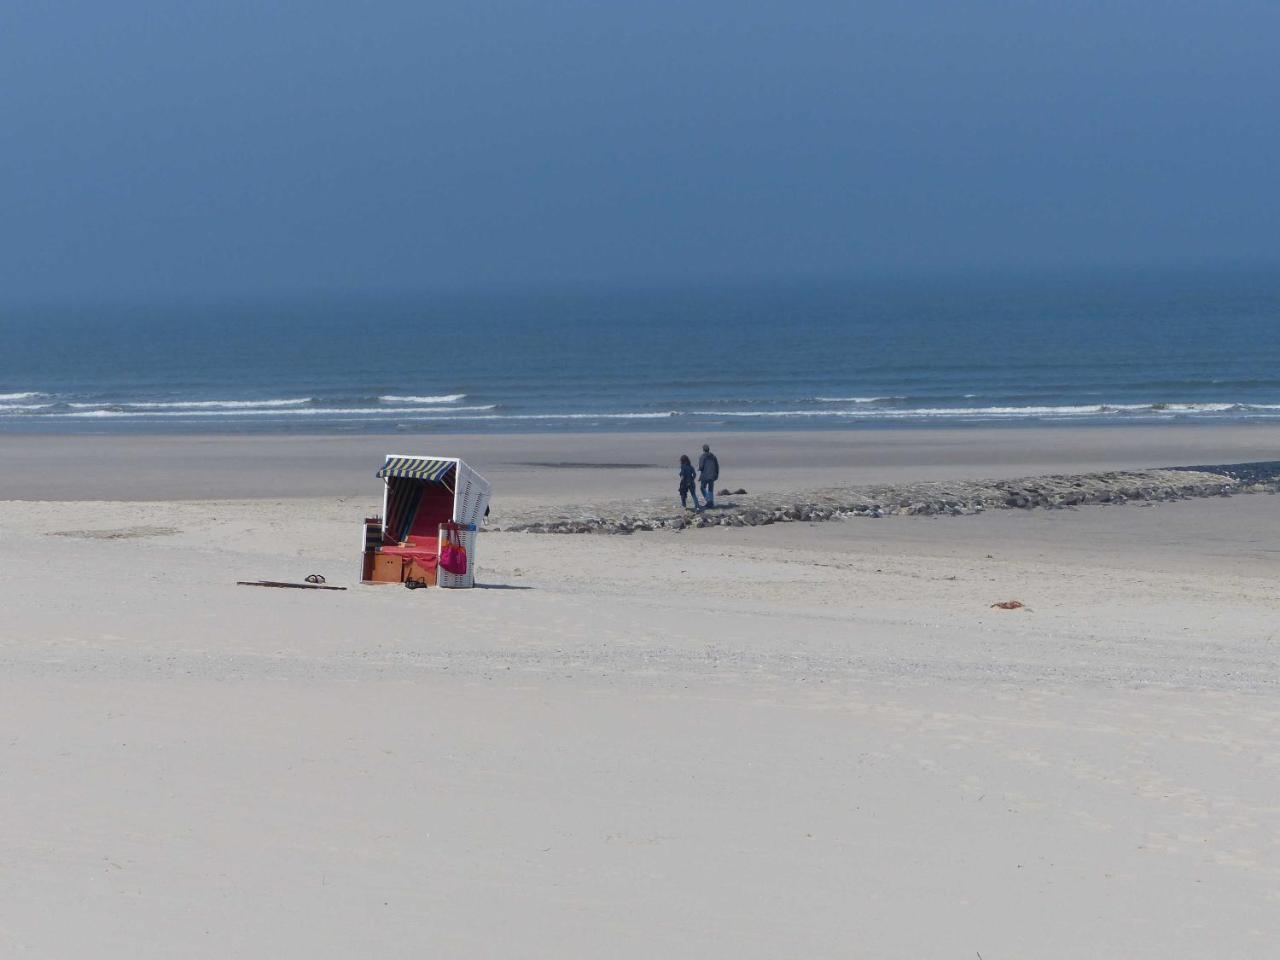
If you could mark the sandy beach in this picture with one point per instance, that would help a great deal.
(796, 740)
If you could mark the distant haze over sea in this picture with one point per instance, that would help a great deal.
(1198, 346)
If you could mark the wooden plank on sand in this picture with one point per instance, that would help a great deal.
(281, 583)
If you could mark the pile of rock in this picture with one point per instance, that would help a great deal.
(956, 498)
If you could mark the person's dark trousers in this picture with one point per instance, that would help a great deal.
(709, 493)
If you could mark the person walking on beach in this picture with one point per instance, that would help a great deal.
(709, 473)
(686, 482)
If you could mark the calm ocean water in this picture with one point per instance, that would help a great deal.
(1174, 348)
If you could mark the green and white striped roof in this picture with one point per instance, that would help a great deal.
(419, 468)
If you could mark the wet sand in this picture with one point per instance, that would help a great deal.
(555, 468)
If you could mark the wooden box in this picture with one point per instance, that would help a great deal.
(387, 569)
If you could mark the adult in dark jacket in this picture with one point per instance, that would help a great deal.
(708, 474)
(687, 488)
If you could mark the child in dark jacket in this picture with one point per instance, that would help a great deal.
(687, 487)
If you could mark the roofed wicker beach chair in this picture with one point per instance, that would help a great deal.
(424, 501)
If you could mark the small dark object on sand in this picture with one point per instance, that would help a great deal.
(1008, 604)
(412, 584)
(726, 492)
(739, 492)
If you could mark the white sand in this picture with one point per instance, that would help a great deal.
(808, 741)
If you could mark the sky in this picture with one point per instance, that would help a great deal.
(211, 148)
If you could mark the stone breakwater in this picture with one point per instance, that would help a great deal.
(934, 498)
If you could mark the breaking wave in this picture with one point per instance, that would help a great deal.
(575, 416)
(442, 398)
(28, 409)
(377, 412)
(1077, 410)
(193, 404)
(856, 399)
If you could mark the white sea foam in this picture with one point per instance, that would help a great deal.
(482, 412)
(1090, 410)
(579, 416)
(246, 404)
(904, 414)
(26, 395)
(856, 399)
(548, 416)
(425, 416)
(1192, 407)
(374, 413)
(442, 398)
(371, 412)
(220, 404)
(192, 405)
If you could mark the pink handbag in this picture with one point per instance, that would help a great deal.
(453, 555)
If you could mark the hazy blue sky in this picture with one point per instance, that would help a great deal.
(198, 147)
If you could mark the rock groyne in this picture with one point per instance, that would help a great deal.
(932, 498)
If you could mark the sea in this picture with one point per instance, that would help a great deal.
(1170, 347)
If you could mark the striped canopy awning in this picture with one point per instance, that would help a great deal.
(415, 467)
